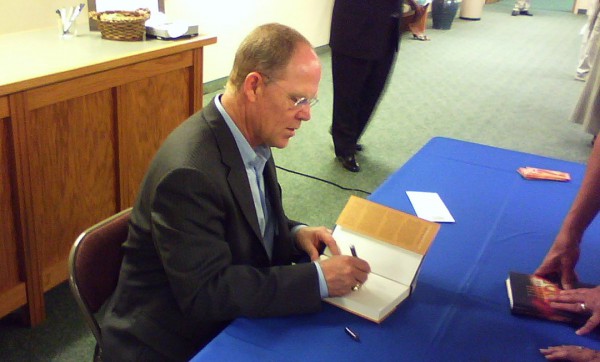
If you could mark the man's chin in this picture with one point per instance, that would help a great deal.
(283, 143)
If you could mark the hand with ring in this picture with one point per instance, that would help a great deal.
(344, 274)
(583, 301)
(570, 353)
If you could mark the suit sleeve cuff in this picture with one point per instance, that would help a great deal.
(296, 228)
(322, 283)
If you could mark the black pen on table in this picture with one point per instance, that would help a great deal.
(352, 334)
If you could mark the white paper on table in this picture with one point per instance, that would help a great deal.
(429, 206)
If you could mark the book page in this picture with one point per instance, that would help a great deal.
(394, 244)
(375, 300)
(385, 259)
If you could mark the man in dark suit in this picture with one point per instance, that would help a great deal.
(364, 40)
(208, 239)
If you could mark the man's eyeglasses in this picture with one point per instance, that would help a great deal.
(302, 101)
(298, 101)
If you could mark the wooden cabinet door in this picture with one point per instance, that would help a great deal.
(12, 285)
(71, 151)
(148, 110)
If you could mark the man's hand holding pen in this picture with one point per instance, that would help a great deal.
(353, 251)
(343, 273)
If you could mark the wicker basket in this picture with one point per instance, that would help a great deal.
(122, 24)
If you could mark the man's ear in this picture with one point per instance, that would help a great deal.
(252, 86)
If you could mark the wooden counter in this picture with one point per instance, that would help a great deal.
(80, 120)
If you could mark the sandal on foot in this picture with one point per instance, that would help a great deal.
(421, 37)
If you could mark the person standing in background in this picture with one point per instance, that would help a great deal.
(522, 8)
(364, 40)
(414, 19)
(587, 110)
(589, 44)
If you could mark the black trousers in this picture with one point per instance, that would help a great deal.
(357, 86)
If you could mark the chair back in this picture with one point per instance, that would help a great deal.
(94, 266)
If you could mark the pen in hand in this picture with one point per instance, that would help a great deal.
(353, 251)
(357, 285)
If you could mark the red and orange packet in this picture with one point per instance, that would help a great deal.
(533, 173)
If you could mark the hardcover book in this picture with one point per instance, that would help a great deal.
(528, 295)
(393, 243)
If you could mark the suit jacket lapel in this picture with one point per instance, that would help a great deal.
(281, 247)
(230, 156)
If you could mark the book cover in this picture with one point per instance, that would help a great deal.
(528, 295)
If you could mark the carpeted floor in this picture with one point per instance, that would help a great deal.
(503, 81)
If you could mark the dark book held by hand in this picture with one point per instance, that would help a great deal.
(528, 295)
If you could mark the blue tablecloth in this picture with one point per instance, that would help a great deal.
(459, 310)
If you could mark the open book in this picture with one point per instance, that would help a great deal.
(393, 243)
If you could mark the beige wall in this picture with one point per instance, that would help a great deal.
(32, 14)
(229, 20)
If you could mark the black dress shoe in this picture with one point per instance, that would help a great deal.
(349, 163)
(359, 147)
(525, 12)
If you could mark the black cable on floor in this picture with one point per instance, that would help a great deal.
(322, 180)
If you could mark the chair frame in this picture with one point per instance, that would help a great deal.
(82, 303)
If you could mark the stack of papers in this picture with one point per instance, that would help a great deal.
(532, 173)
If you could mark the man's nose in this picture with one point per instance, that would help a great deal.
(305, 112)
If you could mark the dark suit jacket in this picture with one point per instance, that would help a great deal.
(365, 29)
(194, 258)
